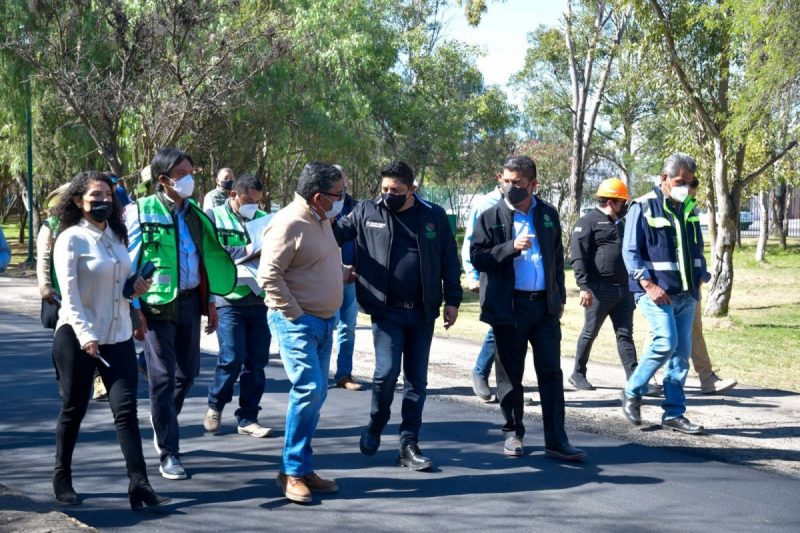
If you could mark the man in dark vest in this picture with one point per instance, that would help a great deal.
(663, 252)
(169, 229)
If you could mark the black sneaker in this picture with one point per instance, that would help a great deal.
(580, 382)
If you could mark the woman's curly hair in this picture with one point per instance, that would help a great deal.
(70, 214)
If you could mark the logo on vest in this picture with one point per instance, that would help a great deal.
(374, 224)
(547, 222)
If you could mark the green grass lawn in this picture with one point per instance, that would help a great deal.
(758, 342)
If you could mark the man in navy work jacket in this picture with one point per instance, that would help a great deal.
(516, 245)
(663, 252)
(407, 264)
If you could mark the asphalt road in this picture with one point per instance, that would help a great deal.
(622, 486)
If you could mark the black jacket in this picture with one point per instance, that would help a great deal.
(596, 250)
(492, 253)
(371, 224)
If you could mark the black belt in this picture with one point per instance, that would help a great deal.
(530, 295)
(188, 293)
(402, 305)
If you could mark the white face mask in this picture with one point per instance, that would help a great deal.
(335, 210)
(248, 211)
(184, 186)
(679, 193)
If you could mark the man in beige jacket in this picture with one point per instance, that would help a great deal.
(301, 273)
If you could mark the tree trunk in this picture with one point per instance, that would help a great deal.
(719, 293)
(23, 194)
(781, 194)
(763, 228)
(712, 219)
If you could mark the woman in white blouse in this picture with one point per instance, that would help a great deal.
(91, 261)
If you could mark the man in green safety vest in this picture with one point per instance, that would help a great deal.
(168, 229)
(242, 331)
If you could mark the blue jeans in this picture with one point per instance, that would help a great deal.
(346, 332)
(305, 347)
(401, 338)
(244, 339)
(483, 366)
(671, 345)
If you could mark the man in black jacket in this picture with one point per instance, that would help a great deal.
(407, 263)
(516, 245)
(596, 252)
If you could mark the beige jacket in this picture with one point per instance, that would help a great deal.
(301, 266)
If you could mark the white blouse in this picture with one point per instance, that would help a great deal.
(92, 267)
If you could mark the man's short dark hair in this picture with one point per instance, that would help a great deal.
(317, 177)
(399, 171)
(246, 183)
(522, 164)
(165, 160)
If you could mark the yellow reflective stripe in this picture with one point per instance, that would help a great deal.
(693, 219)
(657, 222)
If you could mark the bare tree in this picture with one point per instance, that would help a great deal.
(588, 90)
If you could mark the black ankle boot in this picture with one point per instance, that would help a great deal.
(62, 488)
(141, 494)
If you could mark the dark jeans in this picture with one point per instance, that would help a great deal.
(244, 338)
(543, 332)
(615, 301)
(402, 336)
(172, 350)
(77, 369)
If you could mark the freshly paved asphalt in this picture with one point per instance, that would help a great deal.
(621, 487)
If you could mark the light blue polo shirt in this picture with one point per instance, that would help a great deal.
(528, 267)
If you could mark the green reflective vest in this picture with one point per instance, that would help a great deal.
(159, 228)
(231, 232)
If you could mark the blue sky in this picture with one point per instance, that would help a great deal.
(502, 33)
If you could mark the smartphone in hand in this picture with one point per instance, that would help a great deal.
(146, 272)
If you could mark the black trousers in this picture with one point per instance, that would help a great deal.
(615, 301)
(77, 370)
(172, 350)
(402, 340)
(543, 332)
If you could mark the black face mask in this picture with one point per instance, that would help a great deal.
(515, 195)
(394, 202)
(623, 211)
(100, 210)
(227, 185)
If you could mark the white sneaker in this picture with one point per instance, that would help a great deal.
(255, 430)
(713, 384)
(212, 420)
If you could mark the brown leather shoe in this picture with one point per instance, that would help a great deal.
(294, 488)
(348, 383)
(320, 485)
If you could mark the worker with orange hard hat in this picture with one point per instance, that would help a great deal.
(596, 254)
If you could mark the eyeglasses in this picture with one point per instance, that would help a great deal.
(337, 196)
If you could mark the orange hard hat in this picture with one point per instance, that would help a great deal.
(613, 188)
